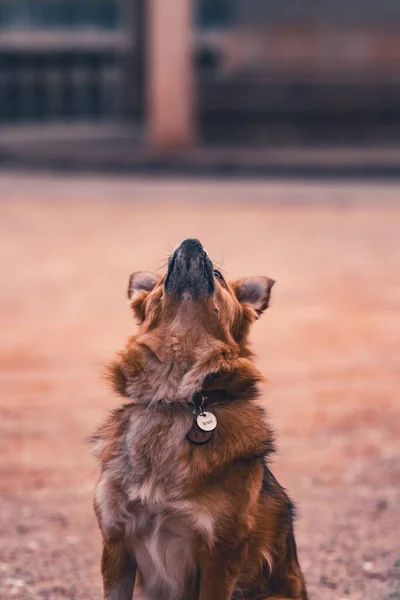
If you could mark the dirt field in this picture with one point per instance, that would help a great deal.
(329, 346)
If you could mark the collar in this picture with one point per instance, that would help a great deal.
(208, 398)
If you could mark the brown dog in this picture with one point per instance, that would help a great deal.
(185, 501)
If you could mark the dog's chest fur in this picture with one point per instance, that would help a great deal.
(142, 494)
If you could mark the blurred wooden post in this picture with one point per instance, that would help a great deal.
(170, 98)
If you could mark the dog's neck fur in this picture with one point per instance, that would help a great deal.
(170, 368)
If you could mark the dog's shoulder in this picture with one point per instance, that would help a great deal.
(105, 440)
(243, 432)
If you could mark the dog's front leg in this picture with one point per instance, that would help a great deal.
(118, 569)
(220, 571)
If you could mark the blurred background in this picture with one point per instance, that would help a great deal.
(110, 83)
(286, 117)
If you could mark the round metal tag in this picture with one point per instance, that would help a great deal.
(207, 421)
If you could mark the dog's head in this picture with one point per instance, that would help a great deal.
(195, 299)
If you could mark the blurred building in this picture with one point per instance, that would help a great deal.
(223, 71)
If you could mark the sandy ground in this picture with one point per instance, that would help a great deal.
(329, 347)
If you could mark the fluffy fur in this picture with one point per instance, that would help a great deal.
(192, 522)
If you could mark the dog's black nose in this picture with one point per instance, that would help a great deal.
(190, 245)
(190, 271)
(188, 250)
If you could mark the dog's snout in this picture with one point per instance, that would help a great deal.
(190, 247)
(190, 251)
(190, 271)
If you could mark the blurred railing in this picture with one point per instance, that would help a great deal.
(313, 82)
(45, 14)
(60, 75)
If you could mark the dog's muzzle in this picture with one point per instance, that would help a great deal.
(190, 272)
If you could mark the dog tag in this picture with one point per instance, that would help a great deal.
(207, 421)
(199, 436)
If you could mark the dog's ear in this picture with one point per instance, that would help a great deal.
(141, 281)
(254, 292)
(140, 284)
